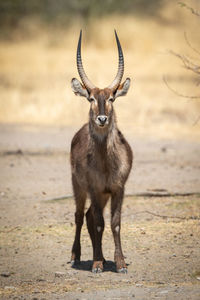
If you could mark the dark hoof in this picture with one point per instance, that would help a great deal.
(97, 270)
(122, 271)
(97, 267)
(75, 262)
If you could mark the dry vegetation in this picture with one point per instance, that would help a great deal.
(170, 264)
(160, 234)
(36, 72)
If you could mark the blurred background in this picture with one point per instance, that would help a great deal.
(38, 41)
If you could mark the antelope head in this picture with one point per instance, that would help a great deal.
(101, 109)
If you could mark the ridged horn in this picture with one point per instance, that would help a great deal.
(116, 82)
(87, 83)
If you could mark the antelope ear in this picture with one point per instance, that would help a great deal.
(123, 88)
(78, 88)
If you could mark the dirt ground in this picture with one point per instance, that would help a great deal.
(161, 211)
(160, 221)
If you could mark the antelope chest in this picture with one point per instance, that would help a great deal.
(109, 171)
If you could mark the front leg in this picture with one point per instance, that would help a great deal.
(98, 232)
(95, 223)
(116, 204)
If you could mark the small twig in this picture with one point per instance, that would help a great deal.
(168, 217)
(196, 121)
(6, 231)
(189, 44)
(193, 11)
(177, 93)
(144, 194)
(197, 82)
(188, 64)
(165, 194)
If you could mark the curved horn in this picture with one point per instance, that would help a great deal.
(116, 82)
(81, 71)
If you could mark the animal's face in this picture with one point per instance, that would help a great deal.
(101, 100)
(101, 107)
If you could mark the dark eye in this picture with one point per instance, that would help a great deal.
(111, 99)
(91, 99)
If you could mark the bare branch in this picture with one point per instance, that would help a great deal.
(11, 229)
(193, 11)
(168, 217)
(188, 64)
(197, 82)
(196, 121)
(189, 44)
(177, 93)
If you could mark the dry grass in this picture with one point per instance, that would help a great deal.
(34, 253)
(35, 74)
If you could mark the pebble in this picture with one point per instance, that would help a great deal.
(164, 292)
(198, 278)
(60, 274)
(142, 231)
(10, 288)
(126, 280)
(139, 284)
(163, 149)
(5, 274)
(36, 291)
(160, 282)
(40, 279)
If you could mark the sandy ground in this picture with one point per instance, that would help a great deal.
(161, 212)
(37, 221)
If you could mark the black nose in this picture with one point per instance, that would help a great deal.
(102, 119)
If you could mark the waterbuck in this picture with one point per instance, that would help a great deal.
(101, 161)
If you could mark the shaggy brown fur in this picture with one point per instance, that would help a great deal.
(101, 161)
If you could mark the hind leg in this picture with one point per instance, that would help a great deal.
(80, 198)
(116, 204)
(90, 225)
